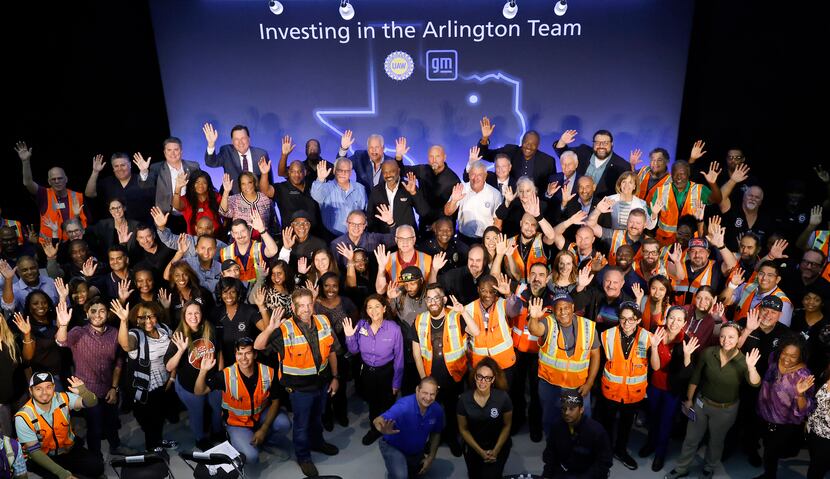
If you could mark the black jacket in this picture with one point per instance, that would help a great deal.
(405, 206)
(584, 454)
(607, 184)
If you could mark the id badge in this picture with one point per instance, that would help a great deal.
(699, 402)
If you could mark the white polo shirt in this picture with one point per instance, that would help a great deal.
(477, 210)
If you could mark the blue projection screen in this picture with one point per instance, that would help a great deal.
(424, 69)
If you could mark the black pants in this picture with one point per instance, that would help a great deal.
(337, 406)
(102, 423)
(526, 374)
(377, 387)
(150, 417)
(607, 411)
(478, 469)
(780, 440)
(819, 448)
(448, 392)
(79, 461)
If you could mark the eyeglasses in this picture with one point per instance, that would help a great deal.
(433, 299)
(486, 379)
(804, 262)
(300, 223)
(116, 208)
(356, 225)
(629, 319)
(145, 317)
(602, 143)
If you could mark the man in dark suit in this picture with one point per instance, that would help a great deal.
(235, 158)
(312, 158)
(500, 178)
(162, 177)
(564, 183)
(405, 200)
(366, 163)
(526, 160)
(600, 162)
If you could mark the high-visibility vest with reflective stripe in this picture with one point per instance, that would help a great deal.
(704, 278)
(244, 410)
(821, 241)
(17, 226)
(454, 343)
(752, 276)
(494, 340)
(534, 256)
(555, 366)
(748, 294)
(298, 360)
(56, 438)
(625, 379)
(661, 269)
(643, 177)
(53, 214)
(645, 307)
(522, 339)
(251, 270)
(619, 238)
(668, 218)
(394, 269)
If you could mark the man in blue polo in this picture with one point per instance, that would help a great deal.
(406, 427)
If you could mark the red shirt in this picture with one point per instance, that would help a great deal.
(202, 210)
(660, 377)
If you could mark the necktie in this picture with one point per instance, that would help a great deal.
(246, 165)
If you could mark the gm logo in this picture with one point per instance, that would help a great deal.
(442, 65)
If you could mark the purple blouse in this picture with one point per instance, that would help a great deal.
(777, 402)
(379, 349)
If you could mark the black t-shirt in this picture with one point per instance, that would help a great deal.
(765, 342)
(290, 200)
(228, 331)
(186, 373)
(7, 375)
(736, 226)
(485, 423)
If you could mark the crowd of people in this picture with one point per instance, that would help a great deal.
(577, 302)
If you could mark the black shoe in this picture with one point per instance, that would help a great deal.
(626, 460)
(343, 420)
(536, 434)
(658, 463)
(328, 423)
(169, 444)
(706, 474)
(647, 450)
(754, 458)
(371, 436)
(327, 449)
(309, 469)
(455, 448)
(204, 444)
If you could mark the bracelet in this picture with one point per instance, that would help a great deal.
(539, 218)
(29, 341)
(261, 232)
(114, 387)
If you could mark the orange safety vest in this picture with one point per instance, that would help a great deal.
(18, 228)
(244, 410)
(393, 267)
(624, 379)
(748, 294)
(53, 214)
(645, 307)
(668, 218)
(555, 366)
(56, 438)
(821, 241)
(704, 278)
(251, 270)
(495, 340)
(752, 276)
(619, 238)
(298, 360)
(522, 339)
(643, 177)
(454, 343)
(534, 256)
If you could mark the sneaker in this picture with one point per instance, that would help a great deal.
(169, 444)
(327, 449)
(647, 450)
(123, 451)
(625, 458)
(309, 469)
(675, 474)
(370, 437)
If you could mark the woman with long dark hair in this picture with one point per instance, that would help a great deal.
(485, 414)
(243, 203)
(9, 376)
(656, 304)
(379, 343)
(200, 200)
(37, 326)
(184, 286)
(278, 286)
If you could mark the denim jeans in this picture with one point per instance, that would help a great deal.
(662, 407)
(196, 410)
(308, 421)
(550, 396)
(102, 423)
(241, 437)
(398, 464)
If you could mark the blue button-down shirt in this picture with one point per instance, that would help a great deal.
(21, 290)
(336, 204)
(207, 277)
(379, 349)
(414, 428)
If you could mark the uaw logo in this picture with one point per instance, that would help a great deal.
(399, 65)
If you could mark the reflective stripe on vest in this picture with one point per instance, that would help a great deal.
(497, 329)
(250, 271)
(243, 410)
(610, 340)
(748, 294)
(555, 366)
(454, 342)
(668, 218)
(702, 279)
(822, 241)
(53, 214)
(298, 360)
(535, 255)
(53, 441)
(394, 270)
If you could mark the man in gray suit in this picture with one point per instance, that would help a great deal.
(235, 158)
(162, 176)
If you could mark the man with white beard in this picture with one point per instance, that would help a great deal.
(739, 221)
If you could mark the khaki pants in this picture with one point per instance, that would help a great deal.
(717, 421)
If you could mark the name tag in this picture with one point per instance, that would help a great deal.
(61, 205)
(363, 331)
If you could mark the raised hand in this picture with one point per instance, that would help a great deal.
(717, 309)
(183, 243)
(22, 323)
(822, 174)
(256, 219)
(208, 362)
(62, 289)
(53, 226)
(23, 151)
(90, 267)
(387, 426)
(276, 320)
(181, 182)
(288, 238)
(120, 312)
(740, 174)
(346, 140)
(676, 254)
(211, 135)
(393, 290)
(534, 308)
(474, 154)
(638, 292)
(657, 206)
(74, 384)
(382, 256)
(180, 341)
(567, 137)
(509, 195)
(411, 185)
(264, 166)
(348, 328)
(503, 284)
(777, 250)
(584, 278)
(737, 276)
(312, 286)
(124, 233)
(532, 207)
(712, 175)
(97, 163)
(400, 147)
(287, 146)
(753, 319)
(259, 297)
(50, 250)
(752, 358)
(634, 158)
(690, 346)
(141, 163)
(568, 196)
(346, 251)
(439, 260)
(457, 193)
(502, 244)
(606, 205)
(578, 218)
(553, 187)
(159, 218)
(31, 234)
(486, 128)
(302, 265)
(816, 215)
(659, 336)
(457, 306)
(385, 214)
(804, 384)
(323, 171)
(598, 262)
(124, 290)
(697, 151)
(227, 183)
(165, 298)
